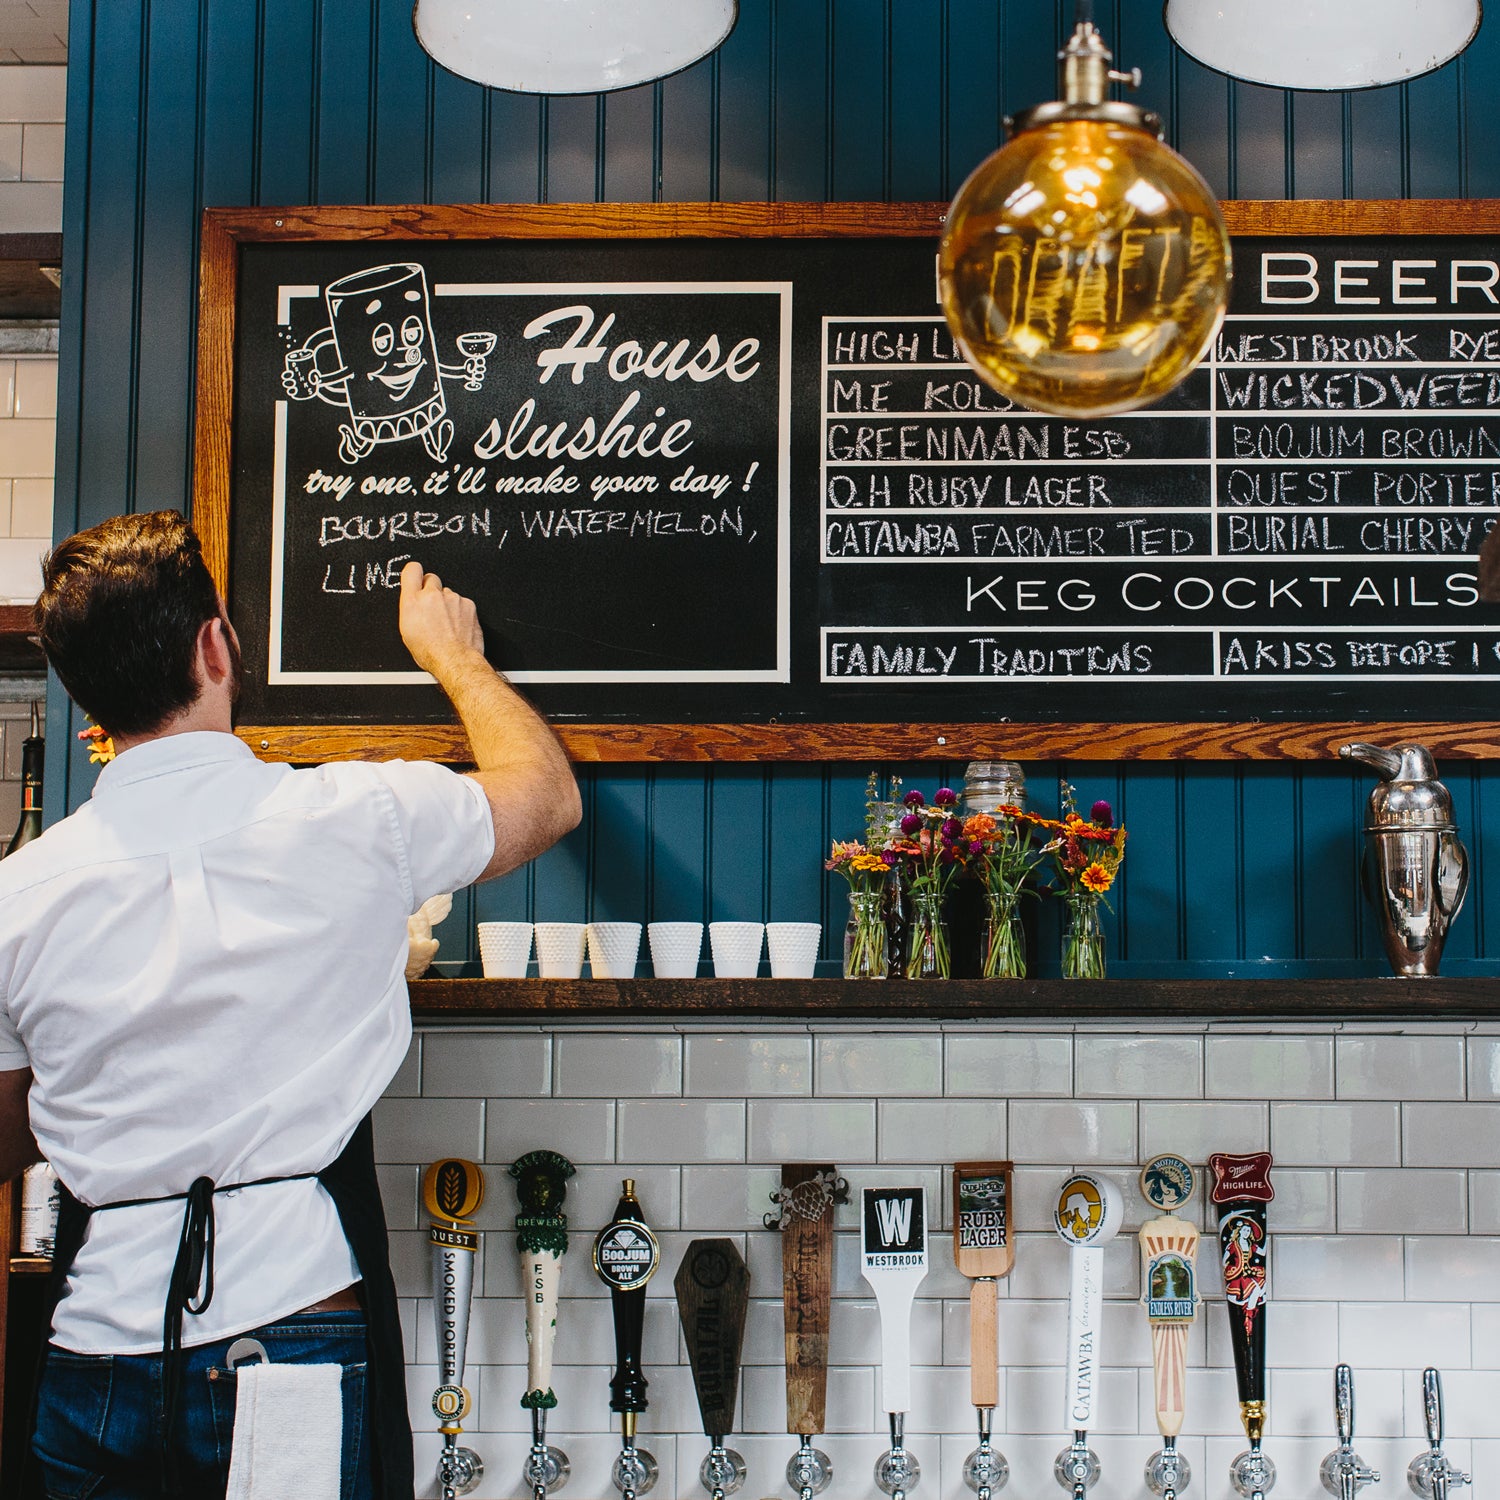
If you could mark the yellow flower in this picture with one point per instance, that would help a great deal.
(869, 863)
(1097, 879)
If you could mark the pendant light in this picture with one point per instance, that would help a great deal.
(570, 46)
(1323, 44)
(1084, 267)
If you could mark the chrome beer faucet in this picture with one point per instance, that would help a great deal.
(896, 1470)
(1432, 1474)
(1344, 1473)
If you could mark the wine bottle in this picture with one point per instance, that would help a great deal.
(33, 754)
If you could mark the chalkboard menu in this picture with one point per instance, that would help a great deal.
(724, 466)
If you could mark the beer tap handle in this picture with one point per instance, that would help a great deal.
(1432, 1406)
(452, 1190)
(713, 1294)
(1343, 1472)
(626, 1255)
(542, 1240)
(894, 1226)
(1432, 1474)
(984, 1343)
(1343, 1404)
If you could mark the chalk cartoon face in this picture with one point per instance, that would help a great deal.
(378, 359)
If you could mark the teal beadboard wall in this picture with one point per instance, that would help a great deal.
(178, 104)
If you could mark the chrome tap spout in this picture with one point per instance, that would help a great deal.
(1077, 1467)
(1431, 1474)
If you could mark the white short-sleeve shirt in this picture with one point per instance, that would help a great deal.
(203, 968)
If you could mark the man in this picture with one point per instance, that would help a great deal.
(202, 997)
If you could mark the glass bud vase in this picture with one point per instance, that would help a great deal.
(927, 937)
(1002, 938)
(896, 905)
(1083, 938)
(864, 936)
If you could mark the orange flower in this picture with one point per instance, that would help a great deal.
(1096, 878)
(978, 825)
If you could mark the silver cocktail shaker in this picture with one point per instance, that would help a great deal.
(1415, 869)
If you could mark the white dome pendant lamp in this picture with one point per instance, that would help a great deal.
(1323, 44)
(570, 46)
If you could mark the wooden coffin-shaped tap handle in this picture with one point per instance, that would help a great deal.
(983, 1249)
(1169, 1273)
(542, 1239)
(713, 1293)
(806, 1199)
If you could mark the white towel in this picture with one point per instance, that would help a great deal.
(288, 1432)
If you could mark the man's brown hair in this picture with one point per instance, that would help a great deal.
(119, 614)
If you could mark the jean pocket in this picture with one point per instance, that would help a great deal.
(72, 1412)
(223, 1393)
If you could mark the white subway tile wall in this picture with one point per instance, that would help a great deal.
(1385, 1250)
(28, 439)
(32, 111)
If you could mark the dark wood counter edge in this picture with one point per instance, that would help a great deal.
(957, 999)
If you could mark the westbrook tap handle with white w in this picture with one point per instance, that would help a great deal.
(895, 1264)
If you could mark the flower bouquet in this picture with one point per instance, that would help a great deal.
(866, 869)
(933, 849)
(1086, 854)
(1003, 852)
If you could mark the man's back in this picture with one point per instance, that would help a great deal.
(205, 965)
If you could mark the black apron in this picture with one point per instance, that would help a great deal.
(351, 1182)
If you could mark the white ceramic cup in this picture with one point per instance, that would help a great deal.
(613, 949)
(793, 947)
(736, 948)
(675, 947)
(504, 949)
(559, 950)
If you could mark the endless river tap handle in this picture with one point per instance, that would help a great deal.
(1169, 1273)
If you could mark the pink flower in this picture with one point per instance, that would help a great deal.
(945, 797)
(910, 823)
(1102, 814)
(952, 828)
(913, 799)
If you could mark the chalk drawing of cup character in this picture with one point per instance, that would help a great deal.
(384, 371)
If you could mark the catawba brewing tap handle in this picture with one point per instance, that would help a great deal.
(625, 1257)
(542, 1239)
(1088, 1215)
(452, 1190)
(1242, 1189)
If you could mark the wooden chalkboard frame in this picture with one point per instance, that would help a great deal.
(225, 229)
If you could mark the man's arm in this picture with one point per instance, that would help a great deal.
(521, 766)
(17, 1144)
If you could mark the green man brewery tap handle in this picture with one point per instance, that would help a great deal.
(805, 1202)
(713, 1292)
(1088, 1215)
(894, 1233)
(1242, 1189)
(1169, 1276)
(452, 1190)
(625, 1257)
(542, 1239)
(983, 1249)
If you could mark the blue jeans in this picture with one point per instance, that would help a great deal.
(99, 1417)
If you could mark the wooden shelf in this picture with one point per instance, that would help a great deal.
(19, 651)
(957, 999)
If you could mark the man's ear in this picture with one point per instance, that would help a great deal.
(215, 660)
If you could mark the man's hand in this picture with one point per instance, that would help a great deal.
(437, 624)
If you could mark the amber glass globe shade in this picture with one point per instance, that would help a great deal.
(1084, 268)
